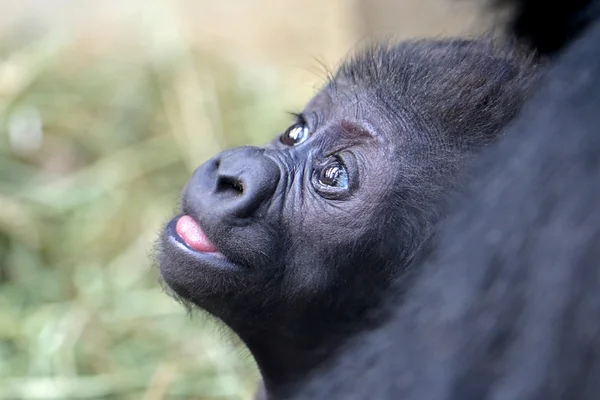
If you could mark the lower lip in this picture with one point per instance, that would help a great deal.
(174, 236)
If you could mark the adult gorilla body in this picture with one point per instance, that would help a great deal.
(294, 244)
(508, 305)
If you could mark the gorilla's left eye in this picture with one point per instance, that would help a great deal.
(334, 174)
(295, 135)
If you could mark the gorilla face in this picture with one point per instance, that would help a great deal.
(285, 223)
(293, 243)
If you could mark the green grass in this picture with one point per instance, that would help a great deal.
(82, 199)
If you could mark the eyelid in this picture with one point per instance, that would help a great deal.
(310, 120)
(299, 118)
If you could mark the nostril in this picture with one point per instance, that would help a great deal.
(229, 184)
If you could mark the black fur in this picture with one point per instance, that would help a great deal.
(306, 265)
(547, 25)
(508, 305)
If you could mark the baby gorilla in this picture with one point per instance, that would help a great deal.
(293, 245)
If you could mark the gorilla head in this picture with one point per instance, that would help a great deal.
(293, 243)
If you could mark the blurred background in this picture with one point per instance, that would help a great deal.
(105, 109)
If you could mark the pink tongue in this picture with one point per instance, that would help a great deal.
(191, 233)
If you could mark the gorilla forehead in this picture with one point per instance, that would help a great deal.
(400, 67)
(441, 88)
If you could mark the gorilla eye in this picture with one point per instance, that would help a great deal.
(295, 135)
(334, 174)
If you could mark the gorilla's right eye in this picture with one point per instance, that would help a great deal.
(330, 177)
(334, 174)
(295, 135)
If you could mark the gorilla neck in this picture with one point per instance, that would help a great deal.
(289, 341)
(285, 361)
(296, 342)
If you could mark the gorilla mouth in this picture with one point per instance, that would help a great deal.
(188, 231)
(192, 234)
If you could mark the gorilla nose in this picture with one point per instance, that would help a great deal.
(235, 183)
